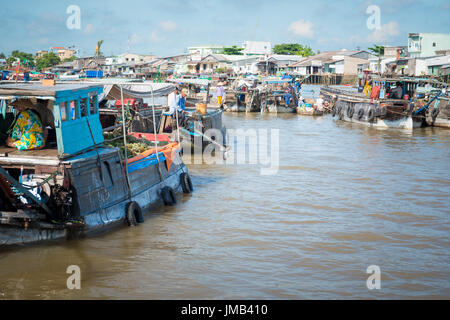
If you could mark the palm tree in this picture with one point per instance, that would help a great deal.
(97, 50)
(378, 51)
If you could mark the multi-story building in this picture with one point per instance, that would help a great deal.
(63, 53)
(426, 44)
(203, 51)
(260, 48)
(41, 53)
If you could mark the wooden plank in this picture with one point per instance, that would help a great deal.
(21, 215)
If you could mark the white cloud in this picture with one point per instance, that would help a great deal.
(89, 29)
(154, 37)
(168, 25)
(302, 28)
(384, 33)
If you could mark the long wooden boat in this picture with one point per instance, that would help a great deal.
(76, 186)
(355, 107)
(200, 129)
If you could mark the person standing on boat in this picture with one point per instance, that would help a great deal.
(288, 95)
(181, 107)
(220, 94)
(298, 87)
(176, 101)
(172, 101)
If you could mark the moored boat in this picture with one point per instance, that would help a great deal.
(309, 111)
(76, 185)
(375, 111)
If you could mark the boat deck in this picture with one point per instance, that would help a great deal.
(41, 154)
(14, 157)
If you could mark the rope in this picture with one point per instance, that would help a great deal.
(46, 180)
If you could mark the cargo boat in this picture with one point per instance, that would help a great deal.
(76, 186)
(377, 111)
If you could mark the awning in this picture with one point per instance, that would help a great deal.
(199, 82)
(134, 91)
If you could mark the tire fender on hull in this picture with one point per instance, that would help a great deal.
(134, 214)
(371, 115)
(168, 196)
(186, 183)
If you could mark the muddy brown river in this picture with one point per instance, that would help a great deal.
(345, 197)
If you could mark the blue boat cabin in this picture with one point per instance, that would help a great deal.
(75, 110)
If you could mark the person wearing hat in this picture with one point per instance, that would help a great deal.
(220, 94)
(177, 104)
(27, 131)
(172, 100)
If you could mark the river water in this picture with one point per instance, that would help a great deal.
(345, 197)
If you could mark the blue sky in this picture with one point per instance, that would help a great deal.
(169, 27)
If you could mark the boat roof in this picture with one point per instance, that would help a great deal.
(408, 79)
(39, 90)
(199, 82)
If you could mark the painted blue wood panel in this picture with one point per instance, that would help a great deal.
(84, 130)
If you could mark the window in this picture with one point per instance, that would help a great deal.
(84, 107)
(63, 110)
(93, 109)
(74, 111)
(434, 44)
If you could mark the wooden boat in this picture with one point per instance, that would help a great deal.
(439, 114)
(436, 103)
(355, 107)
(309, 111)
(241, 96)
(76, 186)
(200, 128)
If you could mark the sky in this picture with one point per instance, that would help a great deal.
(169, 27)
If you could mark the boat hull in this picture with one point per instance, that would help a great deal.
(405, 123)
(443, 117)
(309, 112)
(356, 109)
(235, 108)
(279, 109)
(110, 204)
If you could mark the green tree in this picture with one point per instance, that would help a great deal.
(97, 49)
(2, 56)
(293, 49)
(26, 59)
(377, 50)
(70, 59)
(47, 60)
(234, 51)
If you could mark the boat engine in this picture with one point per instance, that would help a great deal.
(61, 202)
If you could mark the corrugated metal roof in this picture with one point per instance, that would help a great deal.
(37, 89)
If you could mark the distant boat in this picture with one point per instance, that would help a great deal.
(381, 111)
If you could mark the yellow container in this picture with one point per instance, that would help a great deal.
(48, 82)
(201, 108)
